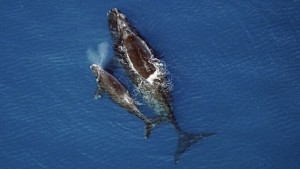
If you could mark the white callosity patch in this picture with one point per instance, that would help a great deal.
(122, 22)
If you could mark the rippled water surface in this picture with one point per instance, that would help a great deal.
(235, 68)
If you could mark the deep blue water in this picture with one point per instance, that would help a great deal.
(235, 67)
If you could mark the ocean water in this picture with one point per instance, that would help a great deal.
(235, 69)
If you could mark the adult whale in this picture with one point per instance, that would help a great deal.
(120, 95)
(148, 73)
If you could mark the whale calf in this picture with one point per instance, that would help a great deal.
(148, 74)
(120, 95)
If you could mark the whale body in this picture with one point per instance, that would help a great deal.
(119, 94)
(148, 74)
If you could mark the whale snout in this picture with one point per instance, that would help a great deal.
(113, 17)
(112, 14)
(95, 69)
(117, 22)
(113, 10)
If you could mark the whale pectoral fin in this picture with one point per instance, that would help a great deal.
(98, 92)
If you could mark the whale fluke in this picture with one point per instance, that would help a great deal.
(186, 140)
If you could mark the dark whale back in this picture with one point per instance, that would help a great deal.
(114, 88)
(111, 85)
(139, 55)
(137, 51)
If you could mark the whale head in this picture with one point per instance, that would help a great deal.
(117, 22)
(96, 70)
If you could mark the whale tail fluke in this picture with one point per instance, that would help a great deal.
(186, 140)
(149, 125)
